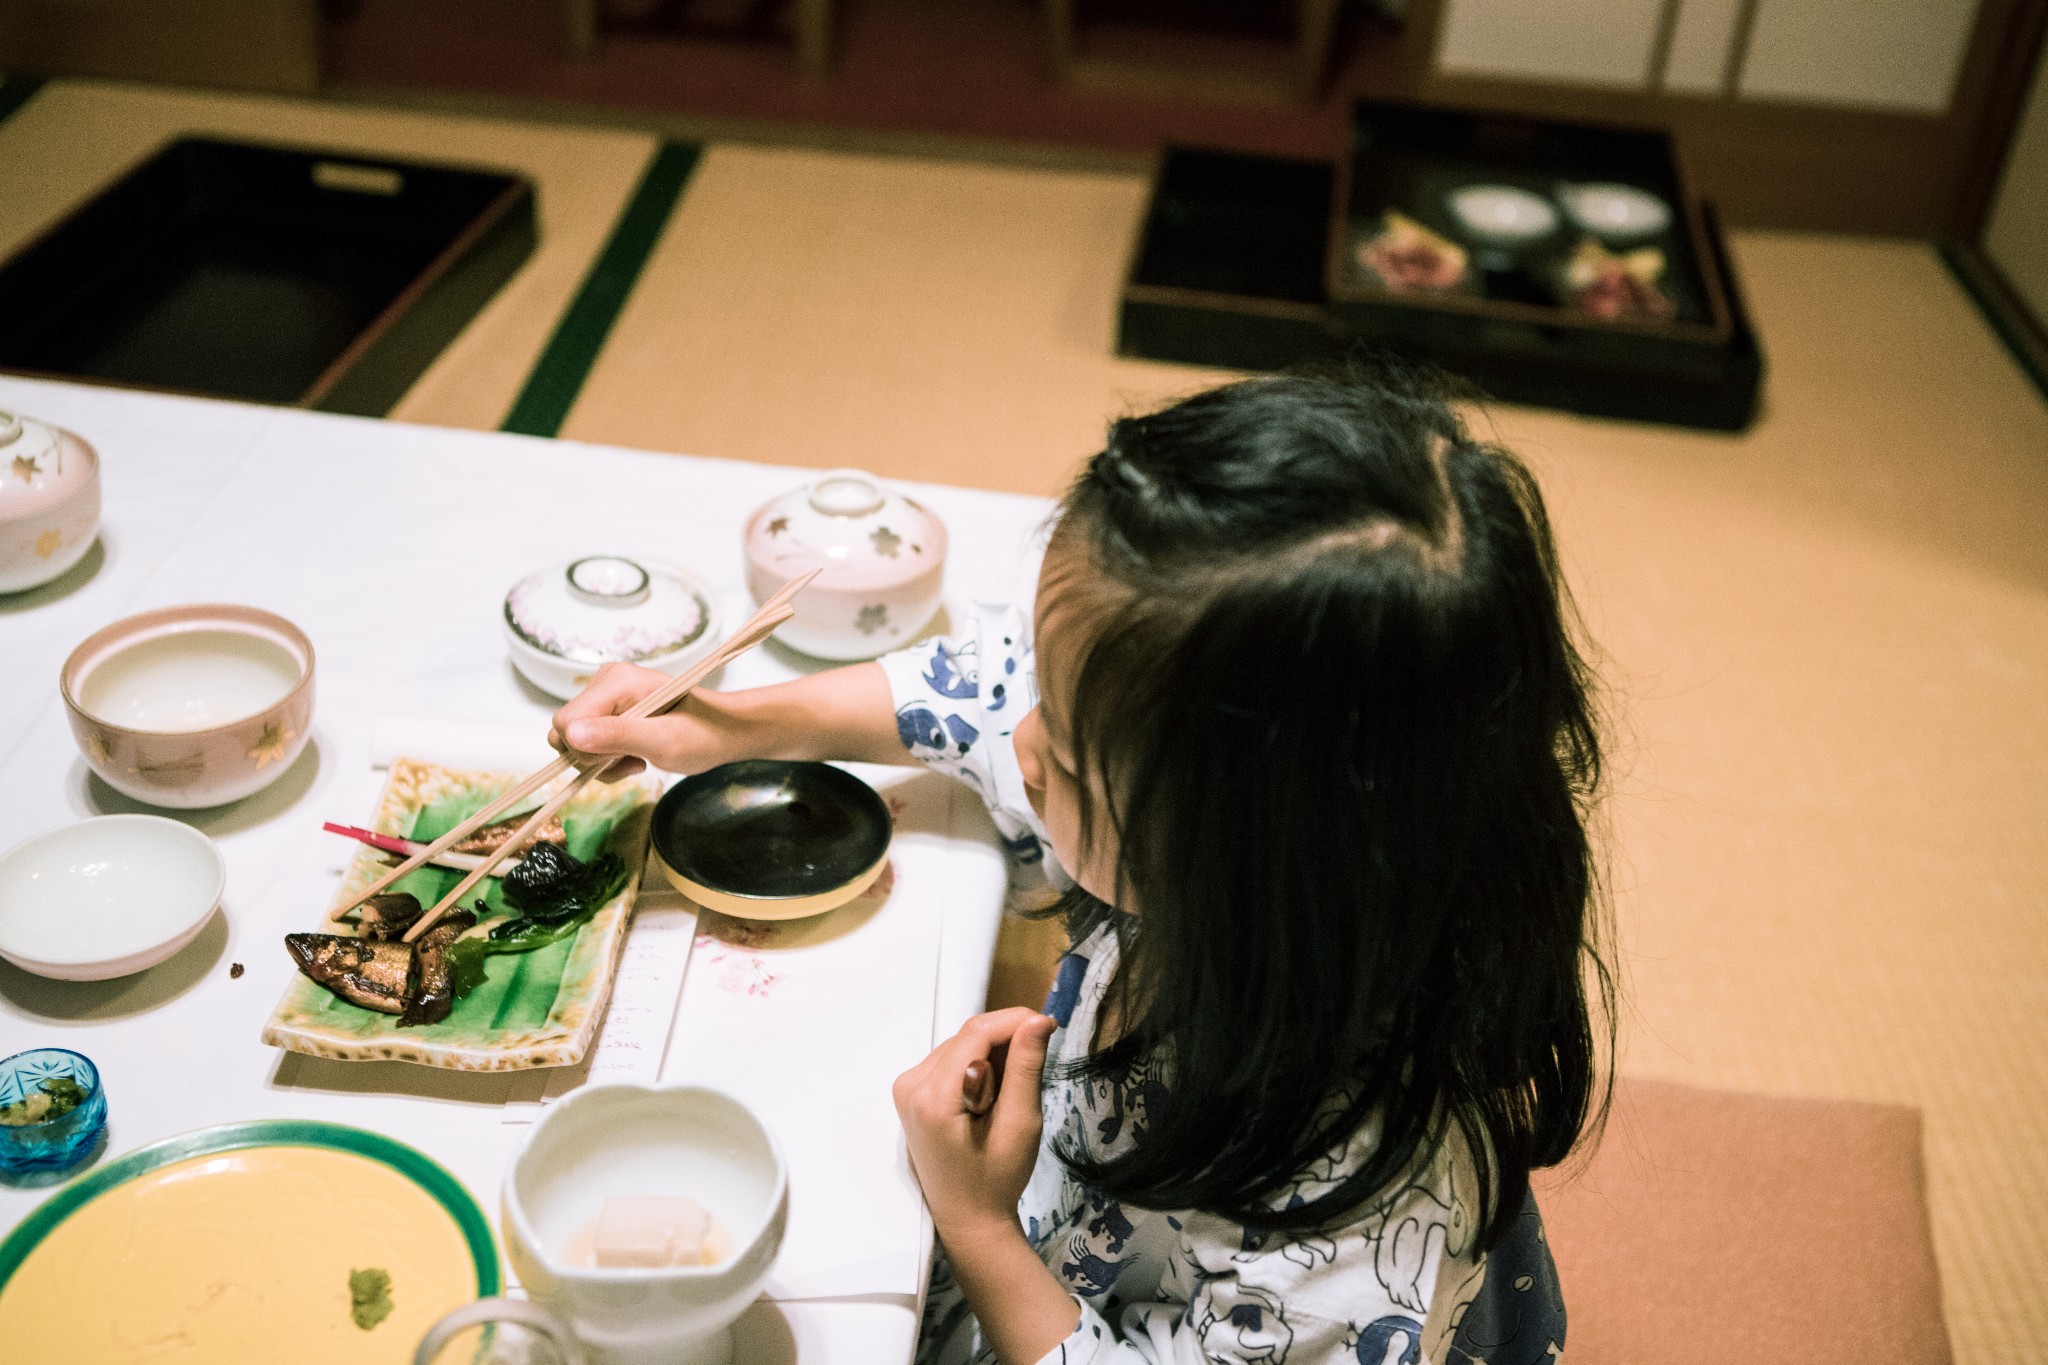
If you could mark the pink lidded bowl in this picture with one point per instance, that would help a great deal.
(881, 555)
(49, 501)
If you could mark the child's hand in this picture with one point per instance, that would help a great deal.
(688, 739)
(974, 1168)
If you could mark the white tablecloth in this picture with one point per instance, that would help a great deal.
(392, 545)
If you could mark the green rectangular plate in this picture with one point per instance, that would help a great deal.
(541, 1008)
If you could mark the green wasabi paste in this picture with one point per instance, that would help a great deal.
(369, 1296)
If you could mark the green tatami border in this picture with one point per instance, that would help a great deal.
(565, 362)
(16, 91)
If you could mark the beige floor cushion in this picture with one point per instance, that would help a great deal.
(1712, 1227)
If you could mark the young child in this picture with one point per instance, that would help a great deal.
(1299, 713)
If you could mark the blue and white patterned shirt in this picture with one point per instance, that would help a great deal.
(1401, 1283)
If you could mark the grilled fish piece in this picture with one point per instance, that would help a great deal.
(387, 916)
(489, 837)
(433, 995)
(377, 975)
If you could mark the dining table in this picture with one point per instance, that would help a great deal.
(392, 547)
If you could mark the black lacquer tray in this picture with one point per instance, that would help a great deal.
(1247, 262)
(273, 274)
(1229, 266)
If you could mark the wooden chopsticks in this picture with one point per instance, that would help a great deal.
(756, 630)
(763, 623)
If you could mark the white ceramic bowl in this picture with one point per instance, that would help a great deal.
(564, 623)
(1502, 215)
(606, 1141)
(49, 501)
(1613, 212)
(107, 896)
(191, 706)
(881, 559)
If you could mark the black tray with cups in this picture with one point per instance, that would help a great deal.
(1554, 264)
(297, 276)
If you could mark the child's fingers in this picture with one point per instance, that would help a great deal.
(615, 688)
(985, 1032)
(1017, 1102)
(984, 1039)
(639, 739)
(937, 1086)
(622, 767)
(978, 1088)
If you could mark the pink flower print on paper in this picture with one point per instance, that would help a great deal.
(726, 946)
(736, 972)
(745, 974)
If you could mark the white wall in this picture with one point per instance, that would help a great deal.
(1899, 54)
(2016, 238)
(1578, 42)
(1702, 39)
(1886, 54)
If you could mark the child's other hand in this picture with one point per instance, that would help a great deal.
(683, 741)
(973, 1169)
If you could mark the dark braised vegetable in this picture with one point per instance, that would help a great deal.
(557, 901)
(378, 976)
(550, 893)
(433, 994)
(549, 885)
(387, 916)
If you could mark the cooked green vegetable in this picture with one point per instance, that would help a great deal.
(369, 1296)
(548, 886)
(58, 1096)
(551, 907)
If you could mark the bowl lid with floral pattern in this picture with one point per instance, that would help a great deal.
(862, 534)
(39, 466)
(608, 608)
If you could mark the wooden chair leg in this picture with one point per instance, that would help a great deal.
(814, 37)
(579, 29)
(1059, 38)
(1312, 47)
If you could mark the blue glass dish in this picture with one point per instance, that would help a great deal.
(55, 1144)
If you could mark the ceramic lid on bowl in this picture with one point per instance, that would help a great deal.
(608, 608)
(39, 467)
(860, 532)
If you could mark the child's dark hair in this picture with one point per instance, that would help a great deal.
(1349, 750)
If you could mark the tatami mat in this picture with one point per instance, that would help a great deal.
(924, 319)
(1825, 642)
(73, 137)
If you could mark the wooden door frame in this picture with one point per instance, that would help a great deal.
(1771, 163)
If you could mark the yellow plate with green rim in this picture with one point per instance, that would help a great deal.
(236, 1244)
